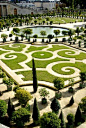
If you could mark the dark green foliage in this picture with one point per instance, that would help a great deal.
(55, 106)
(50, 120)
(8, 81)
(59, 83)
(2, 74)
(82, 76)
(10, 109)
(70, 33)
(36, 114)
(16, 30)
(78, 116)
(71, 119)
(83, 105)
(3, 108)
(63, 39)
(71, 101)
(79, 43)
(35, 84)
(16, 88)
(21, 116)
(58, 95)
(27, 107)
(62, 120)
(70, 89)
(77, 31)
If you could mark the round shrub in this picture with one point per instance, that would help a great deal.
(23, 96)
(44, 100)
(49, 120)
(71, 119)
(58, 83)
(58, 95)
(70, 89)
(21, 116)
(63, 39)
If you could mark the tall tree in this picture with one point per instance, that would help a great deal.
(35, 84)
(10, 109)
(62, 120)
(78, 31)
(78, 116)
(55, 106)
(36, 114)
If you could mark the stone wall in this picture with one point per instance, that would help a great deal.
(8, 8)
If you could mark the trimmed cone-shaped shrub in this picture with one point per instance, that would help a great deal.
(78, 116)
(36, 114)
(55, 106)
(10, 109)
(71, 101)
(35, 84)
(62, 120)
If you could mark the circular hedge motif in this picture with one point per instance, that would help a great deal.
(42, 55)
(58, 68)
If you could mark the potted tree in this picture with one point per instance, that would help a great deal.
(35, 36)
(16, 31)
(43, 33)
(43, 93)
(57, 32)
(28, 32)
(4, 36)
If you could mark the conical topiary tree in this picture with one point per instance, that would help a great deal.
(78, 116)
(62, 120)
(71, 101)
(55, 106)
(35, 85)
(36, 114)
(10, 109)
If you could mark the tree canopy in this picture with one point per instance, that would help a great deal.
(50, 120)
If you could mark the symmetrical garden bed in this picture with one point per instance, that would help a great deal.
(51, 61)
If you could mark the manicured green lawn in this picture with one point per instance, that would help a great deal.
(1, 52)
(42, 54)
(57, 68)
(57, 20)
(34, 48)
(41, 76)
(14, 63)
(58, 47)
(44, 63)
(81, 56)
(15, 47)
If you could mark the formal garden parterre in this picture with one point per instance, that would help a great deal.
(51, 61)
